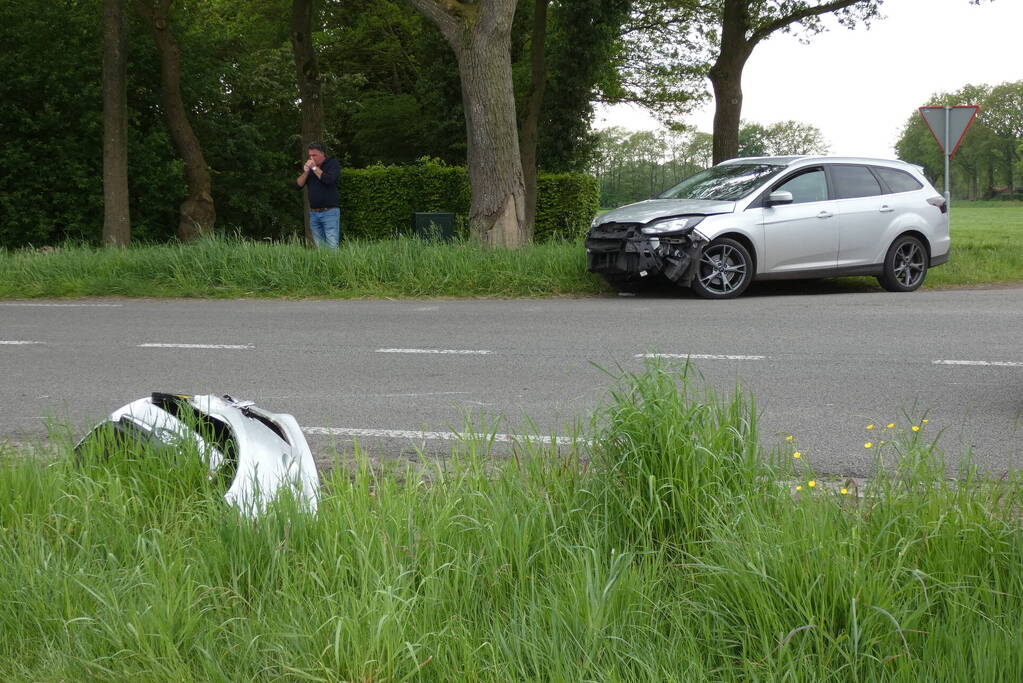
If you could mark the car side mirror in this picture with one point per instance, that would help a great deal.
(779, 197)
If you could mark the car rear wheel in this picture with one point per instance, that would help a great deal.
(725, 270)
(905, 265)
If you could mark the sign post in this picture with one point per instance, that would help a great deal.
(948, 125)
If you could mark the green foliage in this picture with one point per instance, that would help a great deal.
(51, 129)
(987, 163)
(581, 43)
(783, 138)
(635, 165)
(565, 205)
(378, 202)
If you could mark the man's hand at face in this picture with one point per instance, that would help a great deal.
(309, 164)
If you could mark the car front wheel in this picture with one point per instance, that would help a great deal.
(725, 270)
(905, 265)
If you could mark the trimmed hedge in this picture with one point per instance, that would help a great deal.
(378, 202)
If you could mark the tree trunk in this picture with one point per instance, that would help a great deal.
(534, 104)
(116, 217)
(307, 73)
(197, 212)
(726, 79)
(480, 35)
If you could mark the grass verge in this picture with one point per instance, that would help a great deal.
(987, 248)
(671, 554)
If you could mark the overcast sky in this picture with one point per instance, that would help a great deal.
(858, 87)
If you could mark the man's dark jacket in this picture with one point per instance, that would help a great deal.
(323, 191)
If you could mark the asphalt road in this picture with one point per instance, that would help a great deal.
(821, 363)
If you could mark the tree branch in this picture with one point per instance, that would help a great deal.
(805, 13)
(441, 14)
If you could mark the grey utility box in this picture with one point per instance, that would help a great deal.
(438, 226)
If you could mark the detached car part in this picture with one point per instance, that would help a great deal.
(259, 453)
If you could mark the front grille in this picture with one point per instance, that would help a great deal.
(615, 231)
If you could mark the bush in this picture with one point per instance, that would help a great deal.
(378, 201)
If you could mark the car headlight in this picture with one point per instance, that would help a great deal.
(677, 224)
(596, 221)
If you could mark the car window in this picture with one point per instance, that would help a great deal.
(898, 181)
(854, 181)
(727, 182)
(810, 186)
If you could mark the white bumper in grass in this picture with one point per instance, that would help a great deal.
(263, 453)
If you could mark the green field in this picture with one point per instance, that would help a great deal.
(987, 248)
(668, 548)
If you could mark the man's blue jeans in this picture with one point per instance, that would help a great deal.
(326, 227)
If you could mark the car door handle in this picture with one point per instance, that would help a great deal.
(825, 214)
(886, 209)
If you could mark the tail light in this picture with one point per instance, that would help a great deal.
(938, 202)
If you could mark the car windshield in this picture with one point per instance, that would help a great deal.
(723, 183)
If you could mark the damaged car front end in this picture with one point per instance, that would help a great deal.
(632, 254)
(258, 454)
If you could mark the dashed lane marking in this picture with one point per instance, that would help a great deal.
(461, 352)
(234, 347)
(999, 363)
(437, 436)
(698, 356)
(50, 305)
(19, 342)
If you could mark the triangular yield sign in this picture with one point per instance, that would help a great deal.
(959, 119)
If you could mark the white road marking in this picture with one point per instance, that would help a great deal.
(999, 363)
(64, 305)
(18, 342)
(237, 347)
(481, 352)
(434, 436)
(698, 356)
(425, 393)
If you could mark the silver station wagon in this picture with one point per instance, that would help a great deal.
(769, 218)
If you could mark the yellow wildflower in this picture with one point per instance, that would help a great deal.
(811, 483)
(844, 491)
(799, 488)
(925, 421)
(892, 425)
(797, 455)
(788, 438)
(870, 426)
(868, 445)
(916, 428)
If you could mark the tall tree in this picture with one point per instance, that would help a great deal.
(479, 33)
(116, 215)
(1002, 111)
(743, 25)
(684, 38)
(307, 72)
(197, 213)
(534, 105)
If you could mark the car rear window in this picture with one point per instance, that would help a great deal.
(854, 181)
(898, 181)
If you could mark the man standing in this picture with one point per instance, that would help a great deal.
(320, 174)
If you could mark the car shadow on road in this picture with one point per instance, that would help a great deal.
(849, 285)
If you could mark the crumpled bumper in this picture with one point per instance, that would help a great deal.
(266, 452)
(622, 251)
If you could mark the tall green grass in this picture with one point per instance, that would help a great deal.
(987, 248)
(229, 268)
(670, 553)
(987, 245)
